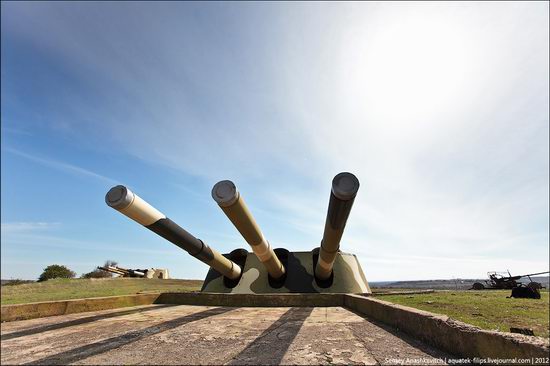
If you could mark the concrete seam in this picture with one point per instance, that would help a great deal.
(347, 326)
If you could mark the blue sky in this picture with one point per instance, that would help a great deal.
(441, 111)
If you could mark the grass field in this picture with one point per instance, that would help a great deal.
(485, 309)
(65, 289)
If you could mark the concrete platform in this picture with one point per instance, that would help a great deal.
(186, 334)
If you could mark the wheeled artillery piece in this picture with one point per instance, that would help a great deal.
(499, 281)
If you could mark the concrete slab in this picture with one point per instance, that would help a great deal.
(185, 334)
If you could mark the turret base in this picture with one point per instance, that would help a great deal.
(348, 277)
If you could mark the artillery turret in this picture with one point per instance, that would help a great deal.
(325, 269)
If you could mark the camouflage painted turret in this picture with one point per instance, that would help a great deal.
(264, 270)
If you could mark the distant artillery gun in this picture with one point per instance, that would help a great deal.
(112, 269)
(136, 273)
(324, 269)
(124, 272)
(499, 281)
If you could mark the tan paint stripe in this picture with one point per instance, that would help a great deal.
(224, 266)
(142, 212)
(263, 251)
(323, 268)
(236, 271)
(243, 220)
(274, 267)
(326, 266)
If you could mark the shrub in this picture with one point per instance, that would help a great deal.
(56, 271)
(15, 282)
(110, 263)
(97, 273)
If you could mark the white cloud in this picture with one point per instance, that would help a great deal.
(69, 168)
(26, 227)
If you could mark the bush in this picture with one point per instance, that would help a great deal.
(97, 273)
(110, 263)
(15, 282)
(56, 271)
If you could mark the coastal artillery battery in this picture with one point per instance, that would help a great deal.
(159, 273)
(263, 305)
(265, 270)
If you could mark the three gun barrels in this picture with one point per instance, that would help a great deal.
(128, 203)
(344, 190)
(231, 202)
(225, 193)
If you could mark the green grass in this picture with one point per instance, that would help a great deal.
(485, 309)
(65, 289)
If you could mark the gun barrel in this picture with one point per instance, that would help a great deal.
(342, 196)
(534, 274)
(128, 203)
(120, 269)
(231, 202)
(136, 273)
(110, 270)
(114, 270)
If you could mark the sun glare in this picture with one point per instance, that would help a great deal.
(409, 68)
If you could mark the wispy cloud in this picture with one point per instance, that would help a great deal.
(16, 131)
(29, 240)
(26, 227)
(59, 165)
